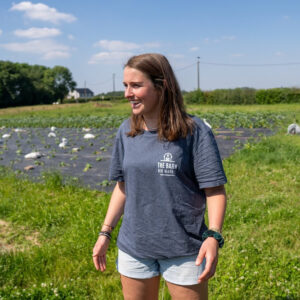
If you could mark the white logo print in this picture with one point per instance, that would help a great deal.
(166, 166)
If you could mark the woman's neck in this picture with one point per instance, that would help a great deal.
(150, 124)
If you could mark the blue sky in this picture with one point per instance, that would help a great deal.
(240, 43)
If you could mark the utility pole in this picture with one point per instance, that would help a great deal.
(114, 88)
(198, 72)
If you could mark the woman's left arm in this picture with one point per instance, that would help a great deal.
(216, 206)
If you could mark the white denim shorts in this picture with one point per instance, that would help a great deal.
(178, 270)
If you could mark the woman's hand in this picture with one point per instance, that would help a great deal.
(99, 253)
(209, 250)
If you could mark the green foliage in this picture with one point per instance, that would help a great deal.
(110, 121)
(280, 95)
(23, 84)
(194, 97)
(114, 113)
(244, 96)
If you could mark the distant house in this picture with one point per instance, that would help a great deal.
(80, 93)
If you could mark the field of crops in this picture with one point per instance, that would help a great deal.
(48, 228)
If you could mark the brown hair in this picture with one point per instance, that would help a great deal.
(173, 122)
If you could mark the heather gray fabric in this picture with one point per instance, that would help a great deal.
(164, 181)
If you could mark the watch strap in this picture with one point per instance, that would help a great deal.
(216, 235)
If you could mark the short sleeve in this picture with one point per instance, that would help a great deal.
(207, 162)
(116, 165)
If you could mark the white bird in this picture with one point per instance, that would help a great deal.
(207, 124)
(33, 155)
(53, 128)
(63, 143)
(75, 150)
(293, 129)
(6, 136)
(86, 129)
(19, 130)
(89, 136)
(51, 134)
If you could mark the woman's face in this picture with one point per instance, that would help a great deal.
(141, 93)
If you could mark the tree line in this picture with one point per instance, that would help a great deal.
(24, 84)
(244, 96)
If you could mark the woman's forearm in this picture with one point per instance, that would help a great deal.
(216, 206)
(116, 207)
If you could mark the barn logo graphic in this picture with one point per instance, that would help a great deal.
(167, 166)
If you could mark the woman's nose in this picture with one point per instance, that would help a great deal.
(128, 92)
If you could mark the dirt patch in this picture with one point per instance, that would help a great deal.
(13, 239)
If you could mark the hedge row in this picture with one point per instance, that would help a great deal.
(244, 96)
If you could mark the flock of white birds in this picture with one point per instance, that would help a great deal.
(292, 129)
(63, 144)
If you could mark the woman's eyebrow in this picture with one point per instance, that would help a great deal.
(135, 82)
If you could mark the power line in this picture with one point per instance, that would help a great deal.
(198, 72)
(251, 65)
(186, 67)
(238, 65)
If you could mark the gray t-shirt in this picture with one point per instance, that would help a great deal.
(164, 181)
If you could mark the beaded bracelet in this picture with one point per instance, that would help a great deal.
(105, 233)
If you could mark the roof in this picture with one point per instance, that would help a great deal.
(84, 90)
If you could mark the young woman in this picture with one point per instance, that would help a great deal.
(168, 168)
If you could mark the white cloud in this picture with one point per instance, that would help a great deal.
(56, 54)
(218, 40)
(151, 45)
(117, 51)
(37, 33)
(48, 49)
(193, 49)
(286, 17)
(117, 45)
(109, 57)
(1, 31)
(42, 12)
(71, 37)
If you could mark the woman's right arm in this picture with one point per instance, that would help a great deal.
(113, 215)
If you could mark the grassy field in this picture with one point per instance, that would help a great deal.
(48, 229)
(112, 114)
(122, 107)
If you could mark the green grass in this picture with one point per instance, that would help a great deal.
(112, 114)
(260, 259)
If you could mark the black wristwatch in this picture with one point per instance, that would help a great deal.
(216, 235)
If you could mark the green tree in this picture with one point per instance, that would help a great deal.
(195, 97)
(24, 84)
(62, 82)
